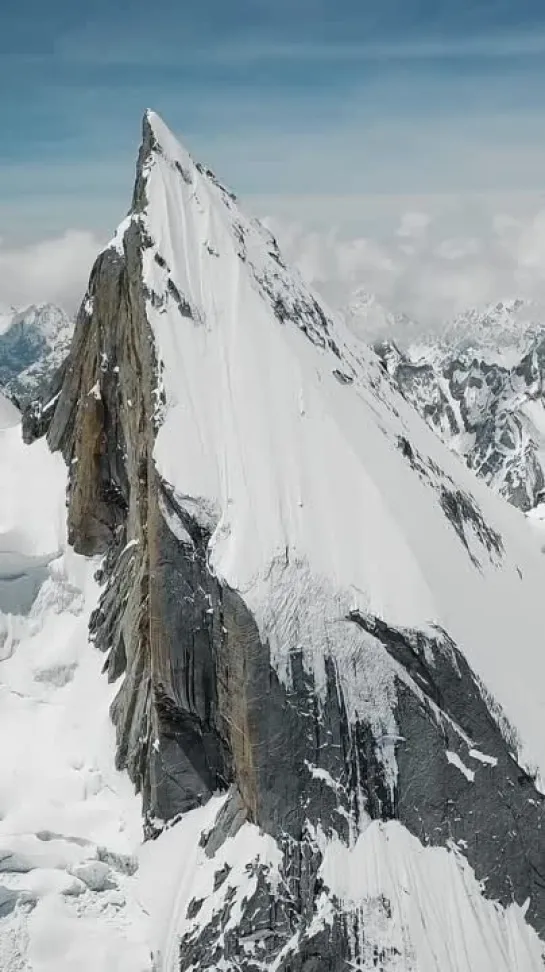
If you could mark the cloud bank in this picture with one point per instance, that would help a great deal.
(430, 259)
(54, 270)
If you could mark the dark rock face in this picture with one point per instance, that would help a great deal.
(435, 799)
(489, 808)
(164, 640)
(272, 917)
(201, 708)
(483, 411)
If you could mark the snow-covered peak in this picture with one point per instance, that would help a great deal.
(33, 342)
(49, 318)
(164, 141)
(500, 332)
(199, 226)
(159, 141)
(368, 317)
(372, 321)
(228, 315)
(479, 384)
(291, 439)
(45, 322)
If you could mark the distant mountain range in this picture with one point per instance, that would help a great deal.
(33, 343)
(480, 386)
(478, 383)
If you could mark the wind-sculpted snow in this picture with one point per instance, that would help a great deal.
(307, 604)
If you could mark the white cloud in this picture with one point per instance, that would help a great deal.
(53, 270)
(428, 258)
(457, 248)
(530, 248)
(413, 225)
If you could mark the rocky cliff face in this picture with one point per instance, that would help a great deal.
(288, 560)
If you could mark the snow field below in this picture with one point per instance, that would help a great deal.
(69, 823)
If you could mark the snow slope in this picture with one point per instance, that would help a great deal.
(69, 823)
(436, 903)
(436, 920)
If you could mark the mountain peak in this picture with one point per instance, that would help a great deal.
(33, 342)
(304, 590)
(163, 161)
(160, 138)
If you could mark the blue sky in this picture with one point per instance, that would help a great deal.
(288, 98)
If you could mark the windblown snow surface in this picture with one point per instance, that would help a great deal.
(323, 488)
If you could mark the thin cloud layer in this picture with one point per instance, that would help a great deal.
(54, 270)
(429, 258)
(434, 262)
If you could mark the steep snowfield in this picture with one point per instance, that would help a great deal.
(436, 904)
(69, 824)
(292, 453)
(435, 920)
